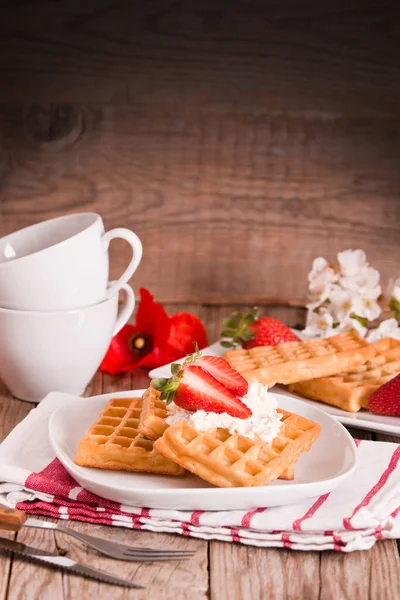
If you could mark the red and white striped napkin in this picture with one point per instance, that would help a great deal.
(365, 509)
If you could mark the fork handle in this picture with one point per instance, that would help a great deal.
(11, 518)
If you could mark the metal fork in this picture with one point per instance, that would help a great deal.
(15, 519)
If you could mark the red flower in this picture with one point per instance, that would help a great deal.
(155, 340)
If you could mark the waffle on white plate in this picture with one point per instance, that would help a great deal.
(351, 390)
(153, 423)
(232, 460)
(114, 442)
(213, 406)
(291, 362)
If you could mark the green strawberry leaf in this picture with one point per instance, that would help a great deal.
(238, 314)
(228, 333)
(232, 323)
(249, 319)
(227, 344)
(246, 335)
(169, 397)
(237, 327)
(159, 383)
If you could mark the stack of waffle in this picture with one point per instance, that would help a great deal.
(343, 370)
(351, 390)
(131, 434)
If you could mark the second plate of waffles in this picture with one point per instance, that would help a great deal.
(89, 425)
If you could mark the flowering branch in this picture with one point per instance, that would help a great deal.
(349, 296)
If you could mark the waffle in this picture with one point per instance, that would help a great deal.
(114, 442)
(351, 391)
(152, 421)
(231, 460)
(296, 361)
(152, 417)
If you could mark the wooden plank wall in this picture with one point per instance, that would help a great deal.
(239, 139)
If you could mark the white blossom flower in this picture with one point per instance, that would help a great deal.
(341, 303)
(321, 278)
(351, 262)
(365, 282)
(393, 290)
(367, 308)
(342, 297)
(348, 324)
(319, 324)
(388, 328)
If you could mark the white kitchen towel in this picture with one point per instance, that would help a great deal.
(366, 508)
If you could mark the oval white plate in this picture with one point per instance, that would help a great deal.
(329, 462)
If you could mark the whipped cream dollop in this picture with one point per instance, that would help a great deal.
(265, 421)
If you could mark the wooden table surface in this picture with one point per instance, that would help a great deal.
(219, 570)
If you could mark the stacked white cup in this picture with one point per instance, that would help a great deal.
(58, 311)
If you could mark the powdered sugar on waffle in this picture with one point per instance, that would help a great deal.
(264, 423)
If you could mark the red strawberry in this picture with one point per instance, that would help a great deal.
(386, 399)
(224, 373)
(198, 390)
(193, 388)
(268, 331)
(250, 331)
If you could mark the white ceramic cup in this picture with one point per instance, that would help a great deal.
(61, 264)
(41, 352)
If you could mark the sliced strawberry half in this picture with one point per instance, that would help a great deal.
(199, 390)
(224, 373)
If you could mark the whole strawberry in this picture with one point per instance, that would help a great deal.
(250, 331)
(386, 399)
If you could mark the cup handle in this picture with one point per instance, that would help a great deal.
(137, 251)
(127, 308)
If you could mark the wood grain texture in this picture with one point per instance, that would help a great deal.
(238, 139)
(361, 575)
(238, 572)
(327, 57)
(385, 571)
(345, 576)
(226, 204)
(6, 565)
(11, 412)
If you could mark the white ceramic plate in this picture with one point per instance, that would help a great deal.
(329, 462)
(360, 420)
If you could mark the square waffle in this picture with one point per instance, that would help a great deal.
(231, 460)
(152, 422)
(114, 442)
(351, 391)
(296, 361)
